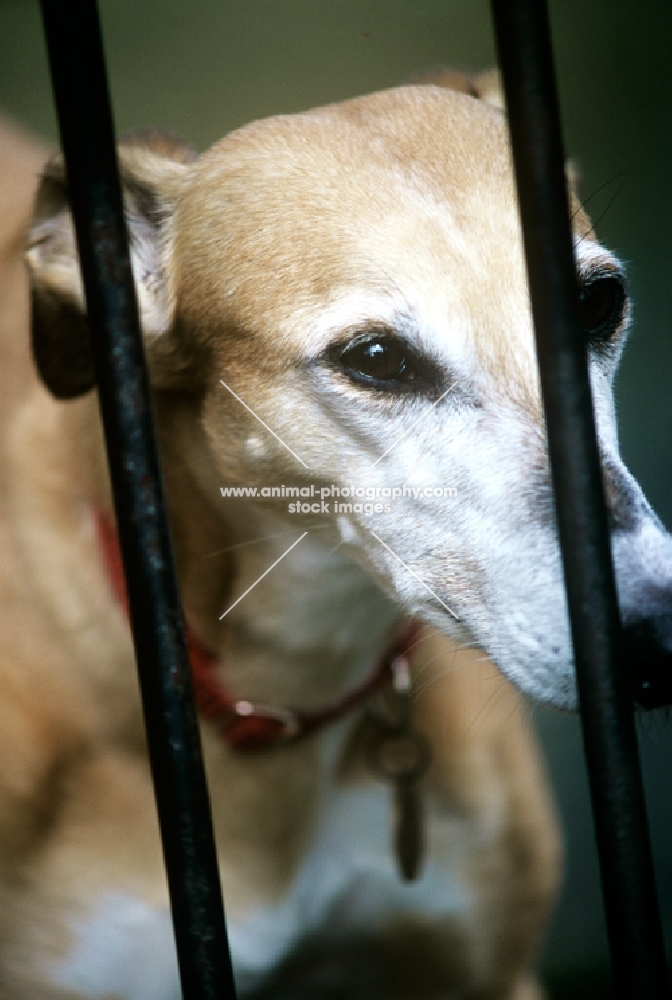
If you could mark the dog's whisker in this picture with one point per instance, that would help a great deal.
(263, 538)
(608, 206)
(446, 670)
(245, 544)
(604, 185)
(489, 705)
(457, 655)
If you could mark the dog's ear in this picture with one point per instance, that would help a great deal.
(486, 85)
(153, 169)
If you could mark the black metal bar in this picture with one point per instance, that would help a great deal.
(633, 920)
(76, 59)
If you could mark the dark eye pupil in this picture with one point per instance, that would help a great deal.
(602, 302)
(384, 362)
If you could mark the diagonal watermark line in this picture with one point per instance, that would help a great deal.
(265, 573)
(270, 431)
(428, 589)
(409, 429)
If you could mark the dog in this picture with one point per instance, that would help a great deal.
(341, 354)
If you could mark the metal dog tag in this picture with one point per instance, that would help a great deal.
(411, 753)
(409, 841)
(400, 754)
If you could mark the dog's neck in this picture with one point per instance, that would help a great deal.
(313, 627)
(310, 629)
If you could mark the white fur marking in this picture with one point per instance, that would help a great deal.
(263, 424)
(347, 886)
(124, 948)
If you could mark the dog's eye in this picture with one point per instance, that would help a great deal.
(602, 303)
(378, 360)
(382, 360)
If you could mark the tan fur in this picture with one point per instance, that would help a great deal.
(76, 807)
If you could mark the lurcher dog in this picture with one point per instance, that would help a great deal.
(338, 331)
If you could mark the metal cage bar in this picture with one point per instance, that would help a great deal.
(610, 743)
(79, 81)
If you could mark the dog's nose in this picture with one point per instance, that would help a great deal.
(647, 656)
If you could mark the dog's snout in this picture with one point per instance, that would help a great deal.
(647, 656)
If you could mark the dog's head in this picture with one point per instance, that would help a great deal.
(344, 293)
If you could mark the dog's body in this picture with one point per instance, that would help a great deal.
(335, 273)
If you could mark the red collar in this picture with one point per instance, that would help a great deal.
(243, 725)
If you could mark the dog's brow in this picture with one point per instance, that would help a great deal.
(413, 573)
(409, 429)
(269, 429)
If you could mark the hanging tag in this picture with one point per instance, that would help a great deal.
(401, 755)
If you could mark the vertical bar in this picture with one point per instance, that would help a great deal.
(77, 65)
(632, 915)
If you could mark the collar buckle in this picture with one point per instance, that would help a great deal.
(251, 726)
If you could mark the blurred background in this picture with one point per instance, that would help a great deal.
(202, 67)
